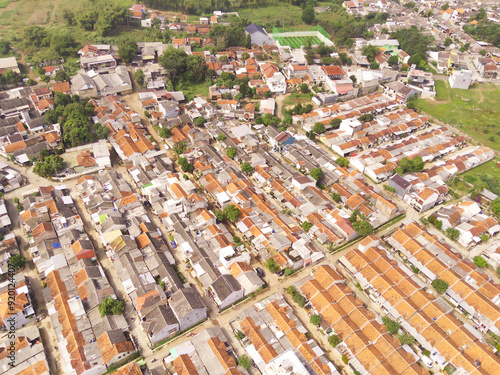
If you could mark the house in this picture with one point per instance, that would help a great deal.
(399, 91)
(63, 87)
(16, 309)
(281, 140)
(301, 182)
(188, 307)
(400, 184)
(274, 79)
(258, 35)
(246, 276)
(114, 346)
(424, 200)
(101, 154)
(83, 85)
(160, 323)
(334, 72)
(9, 63)
(225, 291)
(460, 79)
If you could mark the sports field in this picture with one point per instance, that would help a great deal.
(297, 41)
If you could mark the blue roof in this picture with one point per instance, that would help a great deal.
(253, 28)
(56, 245)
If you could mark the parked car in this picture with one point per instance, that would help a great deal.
(260, 272)
(174, 245)
(281, 272)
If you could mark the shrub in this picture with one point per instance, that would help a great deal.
(299, 299)
(344, 359)
(306, 226)
(239, 335)
(336, 197)
(391, 325)
(272, 265)
(17, 261)
(231, 152)
(245, 362)
(406, 339)
(221, 137)
(165, 132)
(334, 340)
(452, 233)
(315, 319)
(484, 237)
(480, 261)
(111, 306)
(439, 285)
(288, 271)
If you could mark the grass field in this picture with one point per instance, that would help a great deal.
(474, 179)
(284, 13)
(298, 41)
(296, 98)
(475, 111)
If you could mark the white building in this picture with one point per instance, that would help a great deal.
(460, 79)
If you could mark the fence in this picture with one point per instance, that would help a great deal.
(317, 32)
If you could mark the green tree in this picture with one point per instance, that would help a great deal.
(439, 285)
(391, 325)
(319, 128)
(448, 42)
(306, 226)
(239, 335)
(483, 52)
(165, 132)
(374, 65)
(315, 320)
(51, 165)
(299, 299)
(334, 340)
(363, 227)
(304, 88)
(185, 165)
(288, 271)
(199, 121)
(480, 261)
(452, 233)
(62, 76)
(308, 15)
(247, 168)
(484, 237)
(232, 213)
(139, 77)
(111, 306)
(336, 197)
(16, 262)
(335, 123)
(316, 173)
(343, 162)
(221, 137)
(245, 362)
(231, 152)
(174, 61)
(370, 51)
(495, 206)
(393, 60)
(180, 148)
(406, 339)
(127, 50)
(272, 265)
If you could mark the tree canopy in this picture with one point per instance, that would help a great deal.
(439, 285)
(127, 50)
(179, 64)
(73, 115)
(111, 306)
(316, 173)
(413, 41)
